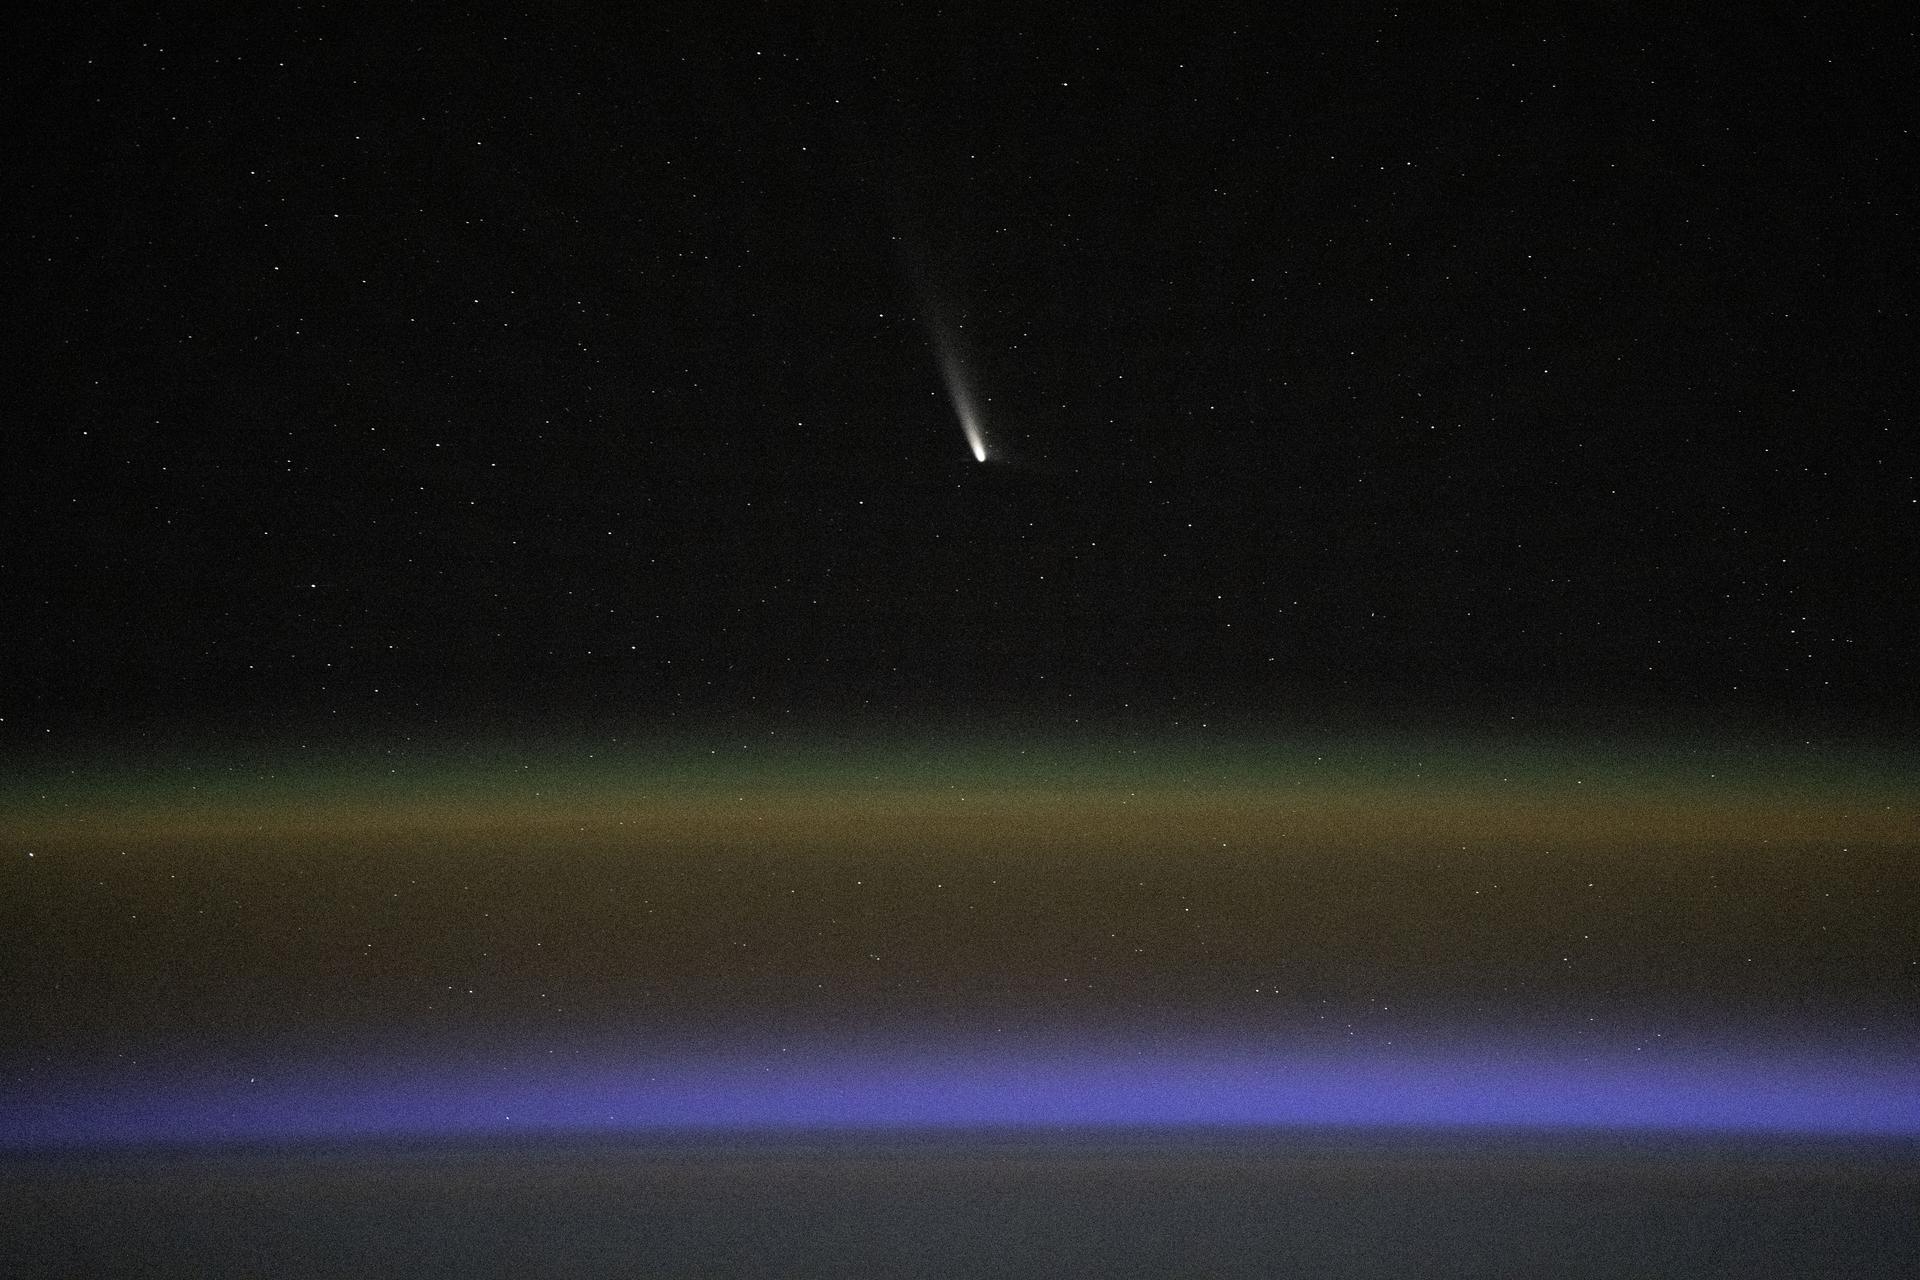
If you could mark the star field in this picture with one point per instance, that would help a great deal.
(379, 378)
(497, 577)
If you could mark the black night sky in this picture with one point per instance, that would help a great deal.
(422, 372)
(505, 631)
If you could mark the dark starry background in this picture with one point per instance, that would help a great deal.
(427, 372)
(413, 411)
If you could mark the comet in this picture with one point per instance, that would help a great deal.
(966, 406)
(949, 350)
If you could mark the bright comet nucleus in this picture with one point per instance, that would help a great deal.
(978, 445)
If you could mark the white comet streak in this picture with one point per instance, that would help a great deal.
(961, 394)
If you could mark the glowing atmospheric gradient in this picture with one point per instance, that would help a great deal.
(955, 934)
(1093, 1082)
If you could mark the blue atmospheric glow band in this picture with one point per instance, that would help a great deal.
(776, 1091)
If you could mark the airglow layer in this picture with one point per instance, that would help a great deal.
(960, 934)
(1096, 1085)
